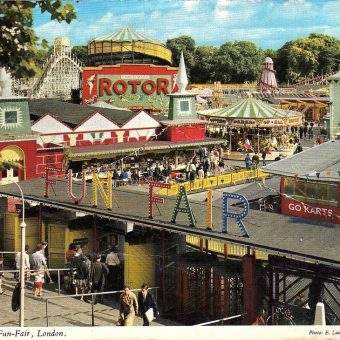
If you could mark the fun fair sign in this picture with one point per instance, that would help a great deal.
(182, 204)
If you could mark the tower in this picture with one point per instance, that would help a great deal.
(182, 103)
(183, 123)
(268, 82)
(334, 98)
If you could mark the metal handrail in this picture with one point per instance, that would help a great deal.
(92, 301)
(49, 269)
(224, 319)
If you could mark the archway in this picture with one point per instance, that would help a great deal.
(10, 157)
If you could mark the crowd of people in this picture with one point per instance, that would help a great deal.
(103, 274)
(195, 165)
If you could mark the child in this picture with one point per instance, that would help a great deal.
(39, 280)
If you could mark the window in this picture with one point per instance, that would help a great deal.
(184, 106)
(11, 117)
(312, 192)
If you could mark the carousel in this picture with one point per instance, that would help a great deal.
(251, 125)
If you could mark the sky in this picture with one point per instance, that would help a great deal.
(267, 23)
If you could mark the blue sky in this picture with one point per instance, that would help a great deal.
(267, 23)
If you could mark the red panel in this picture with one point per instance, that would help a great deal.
(309, 210)
(122, 70)
(184, 133)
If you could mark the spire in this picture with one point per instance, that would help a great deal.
(182, 79)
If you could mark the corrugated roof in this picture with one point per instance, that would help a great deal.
(126, 34)
(249, 108)
(270, 231)
(323, 159)
(74, 114)
(107, 150)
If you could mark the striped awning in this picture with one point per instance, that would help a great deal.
(126, 34)
(251, 111)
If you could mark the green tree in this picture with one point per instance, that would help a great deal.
(187, 45)
(237, 62)
(203, 69)
(307, 57)
(18, 42)
(81, 53)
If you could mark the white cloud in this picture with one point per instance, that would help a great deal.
(190, 5)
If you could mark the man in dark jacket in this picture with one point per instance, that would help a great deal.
(99, 272)
(145, 302)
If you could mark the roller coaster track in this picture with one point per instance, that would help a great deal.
(61, 74)
(318, 80)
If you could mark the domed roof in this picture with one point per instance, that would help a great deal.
(126, 34)
(250, 108)
(268, 60)
(127, 41)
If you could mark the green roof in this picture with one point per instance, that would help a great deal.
(126, 34)
(249, 108)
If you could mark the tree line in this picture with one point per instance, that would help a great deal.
(22, 53)
(240, 61)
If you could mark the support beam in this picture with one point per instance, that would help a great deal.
(249, 289)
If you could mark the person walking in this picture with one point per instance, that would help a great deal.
(128, 306)
(47, 272)
(81, 276)
(145, 302)
(27, 265)
(255, 161)
(38, 257)
(247, 160)
(112, 261)
(99, 272)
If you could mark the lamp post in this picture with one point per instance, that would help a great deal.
(22, 259)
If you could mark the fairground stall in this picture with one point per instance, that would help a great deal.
(310, 183)
(252, 125)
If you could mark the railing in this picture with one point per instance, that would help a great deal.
(220, 320)
(92, 300)
(58, 270)
(213, 181)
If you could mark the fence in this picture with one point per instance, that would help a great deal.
(58, 270)
(214, 181)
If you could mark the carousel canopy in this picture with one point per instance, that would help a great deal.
(252, 112)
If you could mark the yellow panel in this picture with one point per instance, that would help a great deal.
(139, 47)
(10, 236)
(233, 250)
(209, 182)
(161, 191)
(237, 176)
(224, 179)
(139, 265)
(173, 189)
(12, 153)
(196, 185)
(57, 245)
(260, 173)
(186, 185)
(248, 174)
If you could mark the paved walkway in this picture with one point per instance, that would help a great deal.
(62, 312)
